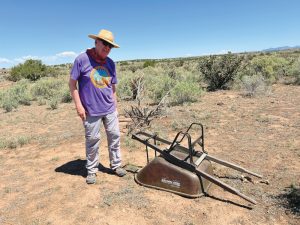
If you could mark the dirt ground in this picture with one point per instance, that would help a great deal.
(43, 181)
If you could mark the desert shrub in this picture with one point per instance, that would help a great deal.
(130, 85)
(66, 96)
(13, 143)
(56, 71)
(124, 89)
(43, 90)
(179, 63)
(251, 82)
(41, 101)
(47, 88)
(271, 67)
(183, 92)
(33, 70)
(158, 86)
(51, 91)
(129, 66)
(124, 63)
(218, 71)
(295, 71)
(253, 85)
(30, 69)
(149, 63)
(173, 74)
(137, 83)
(9, 105)
(297, 80)
(19, 94)
(23, 140)
(53, 103)
(180, 74)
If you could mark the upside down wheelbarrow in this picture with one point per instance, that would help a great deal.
(182, 170)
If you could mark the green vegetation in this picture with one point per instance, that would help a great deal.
(178, 81)
(15, 142)
(17, 95)
(149, 63)
(218, 71)
(185, 91)
(46, 90)
(31, 69)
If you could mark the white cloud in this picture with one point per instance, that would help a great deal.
(223, 52)
(188, 55)
(68, 54)
(4, 60)
(59, 58)
(24, 58)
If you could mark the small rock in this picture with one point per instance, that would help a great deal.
(264, 182)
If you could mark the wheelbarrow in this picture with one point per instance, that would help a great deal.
(182, 169)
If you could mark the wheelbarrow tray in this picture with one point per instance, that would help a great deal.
(164, 175)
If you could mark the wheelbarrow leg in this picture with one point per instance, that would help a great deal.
(231, 165)
(225, 186)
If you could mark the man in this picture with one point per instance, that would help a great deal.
(96, 101)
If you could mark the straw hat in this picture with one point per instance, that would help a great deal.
(105, 35)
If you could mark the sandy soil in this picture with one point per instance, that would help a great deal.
(43, 181)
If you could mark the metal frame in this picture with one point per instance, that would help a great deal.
(188, 162)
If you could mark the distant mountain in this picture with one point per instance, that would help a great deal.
(280, 48)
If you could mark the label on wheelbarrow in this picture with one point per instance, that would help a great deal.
(173, 183)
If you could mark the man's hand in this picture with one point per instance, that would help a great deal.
(81, 112)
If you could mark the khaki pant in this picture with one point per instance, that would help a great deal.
(92, 126)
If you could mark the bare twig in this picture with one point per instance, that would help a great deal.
(142, 117)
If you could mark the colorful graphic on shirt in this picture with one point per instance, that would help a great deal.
(100, 77)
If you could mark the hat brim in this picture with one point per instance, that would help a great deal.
(97, 37)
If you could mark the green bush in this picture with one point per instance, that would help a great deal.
(19, 94)
(47, 88)
(158, 86)
(124, 63)
(179, 63)
(30, 69)
(8, 105)
(66, 96)
(13, 143)
(271, 67)
(184, 92)
(53, 103)
(295, 71)
(149, 63)
(127, 87)
(253, 85)
(124, 90)
(218, 71)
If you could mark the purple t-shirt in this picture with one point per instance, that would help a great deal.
(95, 84)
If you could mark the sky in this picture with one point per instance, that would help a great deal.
(56, 31)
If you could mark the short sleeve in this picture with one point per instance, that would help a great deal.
(75, 72)
(114, 79)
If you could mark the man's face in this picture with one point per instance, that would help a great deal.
(102, 48)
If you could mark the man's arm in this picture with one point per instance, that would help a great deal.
(115, 95)
(75, 95)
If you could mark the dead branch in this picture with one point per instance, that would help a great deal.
(141, 117)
